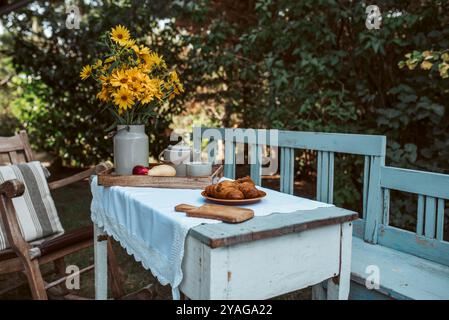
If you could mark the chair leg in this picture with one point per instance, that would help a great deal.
(35, 280)
(116, 283)
(60, 266)
(60, 270)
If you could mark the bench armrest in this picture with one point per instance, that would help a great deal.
(103, 166)
(12, 188)
(9, 190)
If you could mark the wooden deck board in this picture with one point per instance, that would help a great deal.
(276, 224)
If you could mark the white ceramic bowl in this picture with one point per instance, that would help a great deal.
(199, 169)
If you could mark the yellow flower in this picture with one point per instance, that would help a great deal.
(141, 51)
(120, 34)
(98, 64)
(444, 68)
(411, 64)
(152, 90)
(153, 59)
(175, 82)
(119, 78)
(445, 57)
(105, 80)
(426, 65)
(110, 59)
(86, 72)
(135, 77)
(103, 95)
(123, 98)
(427, 55)
(179, 88)
(128, 43)
(134, 74)
(174, 76)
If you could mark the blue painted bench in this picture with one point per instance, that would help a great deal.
(411, 265)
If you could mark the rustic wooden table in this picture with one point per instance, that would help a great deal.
(261, 258)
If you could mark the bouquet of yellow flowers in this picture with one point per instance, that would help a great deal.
(133, 79)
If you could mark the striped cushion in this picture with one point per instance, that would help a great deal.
(36, 211)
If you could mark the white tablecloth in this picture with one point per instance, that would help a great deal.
(145, 223)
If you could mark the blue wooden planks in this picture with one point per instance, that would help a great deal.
(402, 276)
(373, 217)
(366, 173)
(358, 228)
(440, 219)
(287, 170)
(360, 292)
(414, 181)
(430, 217)
(325, 176)
(229, 166)
(386, 207)
(255, 157)
(410, 242)
(334, 142)
(420, 217)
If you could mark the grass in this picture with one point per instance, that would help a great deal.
(73, 203)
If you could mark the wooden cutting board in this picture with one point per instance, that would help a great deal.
(229, 214)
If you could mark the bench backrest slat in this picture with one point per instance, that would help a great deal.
(287, 170)
(325, 176)
(16, 149)
(432, 189)
(414, 181)
(440, 220)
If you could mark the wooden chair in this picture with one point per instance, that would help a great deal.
(20, 257)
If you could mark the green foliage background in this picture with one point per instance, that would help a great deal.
(290, 64)
(59, 111)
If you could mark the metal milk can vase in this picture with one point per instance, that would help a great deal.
(130, 148)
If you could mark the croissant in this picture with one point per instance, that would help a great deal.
(224, 190)
(248, 189)
(226, 184)
(246, 179)
(231, 193)
(243, 188)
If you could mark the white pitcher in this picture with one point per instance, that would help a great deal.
(131, 148)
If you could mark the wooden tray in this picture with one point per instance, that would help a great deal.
(232, 202)
(109, 179)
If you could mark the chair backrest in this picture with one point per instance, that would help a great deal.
(431, 189)
(15, 149)
(371, 147)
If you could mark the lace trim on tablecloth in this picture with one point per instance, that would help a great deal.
(147, 256)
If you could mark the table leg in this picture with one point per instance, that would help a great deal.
(319, 291)
(338, 287)
(101, 263)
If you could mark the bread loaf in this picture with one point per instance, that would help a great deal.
(163, 170)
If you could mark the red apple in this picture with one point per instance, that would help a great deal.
(140, 170)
